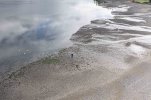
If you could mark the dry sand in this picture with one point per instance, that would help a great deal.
(91, 74)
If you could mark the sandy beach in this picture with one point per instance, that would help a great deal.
(109, 60)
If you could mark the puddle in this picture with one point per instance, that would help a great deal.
(32, 29)
(137, 49)
(127, 27)
(133, 19)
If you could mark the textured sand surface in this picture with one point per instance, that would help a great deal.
(111, 61)
(89, 75)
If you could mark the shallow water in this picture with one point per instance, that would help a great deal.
(31, 29)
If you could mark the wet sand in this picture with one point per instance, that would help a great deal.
(109, 60)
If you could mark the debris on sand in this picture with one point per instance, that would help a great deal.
(128, 44)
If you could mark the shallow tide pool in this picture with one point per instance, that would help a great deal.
(32, 29)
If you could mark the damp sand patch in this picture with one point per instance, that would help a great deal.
(50, 60)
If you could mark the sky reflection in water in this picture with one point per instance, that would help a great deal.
(33, 28)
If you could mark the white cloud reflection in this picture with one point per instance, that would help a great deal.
(43, 26)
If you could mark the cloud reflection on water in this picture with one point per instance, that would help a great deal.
(42, 26)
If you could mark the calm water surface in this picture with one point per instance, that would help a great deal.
(30, 29)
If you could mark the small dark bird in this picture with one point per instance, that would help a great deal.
(71, 55)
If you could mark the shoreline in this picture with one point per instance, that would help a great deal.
(102, 63)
